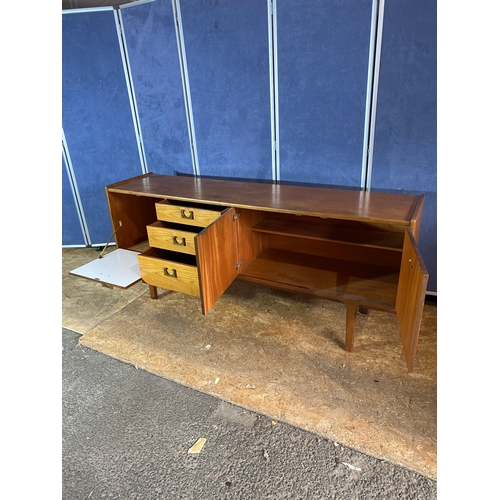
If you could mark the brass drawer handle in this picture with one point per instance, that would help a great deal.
(184, 216)
(172, 274)
(179, 241)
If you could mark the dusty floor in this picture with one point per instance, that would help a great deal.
(277, 353)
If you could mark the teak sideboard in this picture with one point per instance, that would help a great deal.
(196, 235)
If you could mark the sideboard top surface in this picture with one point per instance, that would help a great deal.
(301, 200)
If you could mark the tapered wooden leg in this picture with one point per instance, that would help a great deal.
(350, 326)
(153, 292)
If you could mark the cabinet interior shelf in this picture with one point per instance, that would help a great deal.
(325, 277)
(352, 233)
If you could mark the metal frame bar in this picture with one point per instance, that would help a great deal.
(134, 4)
(185, 84)
(76, 194)
(369, 91)
(85, 10)
(273, 84)
(372, 91)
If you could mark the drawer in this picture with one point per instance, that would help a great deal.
(191, 214)
(171, 237)
(170, 270)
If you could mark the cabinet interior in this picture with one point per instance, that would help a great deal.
(171, 256)
(330, 258)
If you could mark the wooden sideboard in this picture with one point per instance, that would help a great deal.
(197, 235)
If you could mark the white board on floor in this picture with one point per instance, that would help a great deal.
(119, 268)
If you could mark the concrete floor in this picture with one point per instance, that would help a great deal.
(277, 356)
(126, 434)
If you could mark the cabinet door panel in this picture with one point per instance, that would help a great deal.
(410, 298)
(217, 255)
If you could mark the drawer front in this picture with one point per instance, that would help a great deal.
(170, 275)
(171, 239)
(192, 216)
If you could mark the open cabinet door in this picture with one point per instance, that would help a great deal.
(410, 297)
(217, 255)
(118, 268)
